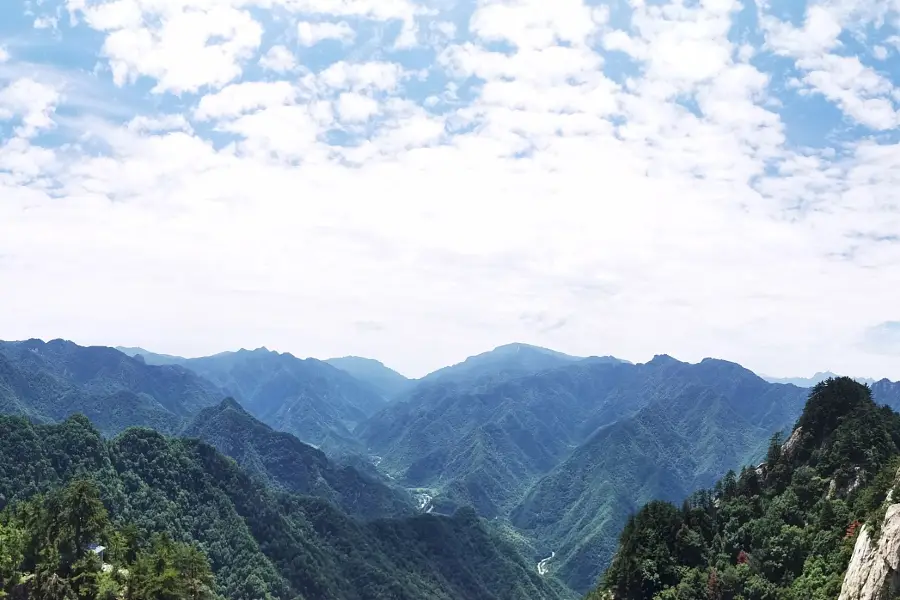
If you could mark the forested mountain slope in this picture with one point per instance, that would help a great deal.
(487, 446)
(310, 399)
(784, 530)
(50, 381)
(262, 543)
(283, 461)
(385, 381)
(709, 418)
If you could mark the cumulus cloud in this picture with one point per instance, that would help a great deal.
(182, 45)
(30, 102)
(278, 59)
(310, 34)
(627, 180)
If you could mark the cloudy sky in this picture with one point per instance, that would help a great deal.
(421, 181)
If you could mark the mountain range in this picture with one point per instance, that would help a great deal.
(554, 451)
(808, 382)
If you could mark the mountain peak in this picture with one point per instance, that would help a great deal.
(662, 359)
(231, 403)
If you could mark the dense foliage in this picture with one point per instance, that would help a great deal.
(62, 546)
(781, 531)
(261, 543)
(281, 460)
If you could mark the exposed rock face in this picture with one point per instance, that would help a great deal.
(790, 445)
(874, 570)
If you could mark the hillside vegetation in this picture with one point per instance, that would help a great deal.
(566, 454)
(262, 543)
(282, 461)
(701, 421)
(62, 546)
(782, 531)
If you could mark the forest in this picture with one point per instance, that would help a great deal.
(63, 546)
(781, 530)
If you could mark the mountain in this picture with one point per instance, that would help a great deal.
(808, 382)
(500, 364)
(484, 445)
(817, 520)
(886, 392)
(284, 462)
(385, 381)
(48, 381)
(702, 420)
(264, 543)
(567, 453)
(151, 358)
(310, 399)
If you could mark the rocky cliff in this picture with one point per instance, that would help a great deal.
(874, 569)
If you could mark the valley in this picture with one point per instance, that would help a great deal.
(553, 452)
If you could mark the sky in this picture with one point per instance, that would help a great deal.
(420, 181)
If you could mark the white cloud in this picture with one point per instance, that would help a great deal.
(532, 23)
(662, 206)
(381, 10)
(858, 90)
(46, 23)
(310, 34)
(4, 55)
(31, 102)
(356, 107)
(239, 98)
(278, 59)
(818, 35)
(375, 75)
(183, 47)
(145, 124)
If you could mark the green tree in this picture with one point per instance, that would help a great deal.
(12, 554)
(195, 571)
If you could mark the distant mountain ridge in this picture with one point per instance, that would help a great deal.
(48, 381)
(385, 381)
(503, 362)
(808, 382)
(308, 398)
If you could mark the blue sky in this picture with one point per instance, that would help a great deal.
(419, 181)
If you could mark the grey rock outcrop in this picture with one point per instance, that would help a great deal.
(874, 570)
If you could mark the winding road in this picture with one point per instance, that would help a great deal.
(542, 566)
(424, 502)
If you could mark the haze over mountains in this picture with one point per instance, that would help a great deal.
(555, 451)
(808, 382)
